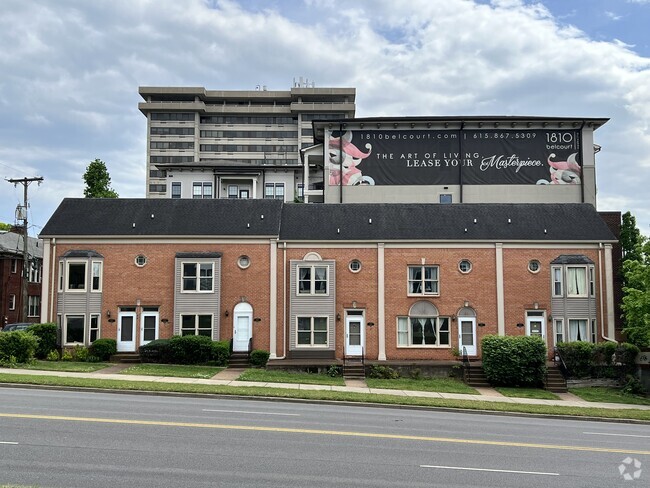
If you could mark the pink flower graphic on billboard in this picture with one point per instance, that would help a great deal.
(563, 172)
(343, 157)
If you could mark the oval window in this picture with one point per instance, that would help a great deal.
(355, 265)
(243, 262)
(465, 266)
(140, 260)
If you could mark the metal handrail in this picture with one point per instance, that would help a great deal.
(250, 346)
(558, 360)
(467, 370)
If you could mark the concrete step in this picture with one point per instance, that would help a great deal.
(125, 357)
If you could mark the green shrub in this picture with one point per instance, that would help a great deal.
(383, 372)
(157, 351)
(53, 356)
(220, 353)
(602, 356)
(514, 360)
(19, 345)
(103, 349)
(633, 386)
(625, 357)
(46, 334)
(66, 356)
(259, 358)
(639, 336)
(80, 353)
(335, 371)
(578, 357)
(190, 349)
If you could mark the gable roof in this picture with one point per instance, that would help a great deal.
(461, 221)
(12, 243)
(327, 222)
(164, 217)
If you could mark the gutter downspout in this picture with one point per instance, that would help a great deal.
(284, 302)
(600, 282)
(53, 267)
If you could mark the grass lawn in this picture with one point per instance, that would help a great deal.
(441, 385)
(277, 376)
(176, 370)
(608, 395)
(126, 385)
(527, 393)
(73, 366)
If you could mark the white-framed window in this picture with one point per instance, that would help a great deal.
(35, 271)
(578, 330)
(243, 261)
(94, 327)
(423, 280)
(576, 281)
(312, 280)
(14, 265)
(12, 302)
(534, 266)
(354, 266)
(594, 330)
(423, 332)
(197, 277)
(140, 260)
(311, 332)
(176, 189)
(76, 276)
(202, 189)
(274, 190)
(445, 198)
(97, 267)
(592, 282)
(557, 281)
(465, 266)
(60, 276)
(75, 328)
(196, 324)
(558, 331)
(233, 191)
(34, 306)
(300, 190)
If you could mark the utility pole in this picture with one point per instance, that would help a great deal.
(21, 213)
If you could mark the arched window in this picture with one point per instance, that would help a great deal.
(423, 327)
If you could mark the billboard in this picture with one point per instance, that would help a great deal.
(453, 157)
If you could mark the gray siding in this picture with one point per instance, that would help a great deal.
(197, 303)
(574, 308)
(313, 305)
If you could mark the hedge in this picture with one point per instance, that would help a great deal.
(17, 347)
(577, 357)
(103, 349)
(46, 334)
(186, 350)
(259, 358)
(514, 360)
(605, 359)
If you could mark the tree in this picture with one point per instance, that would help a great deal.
(4, 226)
(631, 239)
(636, 297)
(98, 181)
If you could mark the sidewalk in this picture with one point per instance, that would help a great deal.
(228, 378)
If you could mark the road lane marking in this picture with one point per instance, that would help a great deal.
(489, 470)
(10, 443)
(254, 413)
(288, 430)
(620, 435)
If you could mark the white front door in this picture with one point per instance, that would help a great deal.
(148, 327)
(242, 326)
(535, 326)
(126, 332)
(354, 335)
(467, 335)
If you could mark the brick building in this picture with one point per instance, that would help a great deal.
(388, 282)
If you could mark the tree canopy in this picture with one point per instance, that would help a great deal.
(4, 226)
(98, 181)
(636, 280)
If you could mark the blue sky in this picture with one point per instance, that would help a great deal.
(70, 71)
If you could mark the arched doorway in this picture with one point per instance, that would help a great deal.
(467, 331)
(242, 326)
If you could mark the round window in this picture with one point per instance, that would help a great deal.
(533, 266)
(140, 260)
(243, 262)
(465, 266)
(355, 265)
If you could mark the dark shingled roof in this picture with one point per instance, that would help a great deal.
(198, 255)
(82, 254)
(469, 221)
(164, 217)
(327, 222)
(572, 259)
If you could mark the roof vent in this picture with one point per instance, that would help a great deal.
(338, 231)
(370, 221)
(509, 221)
(152, 216)
(475, 220)
(465, 229)
(544, 231)
(134, 225)
(248, 226)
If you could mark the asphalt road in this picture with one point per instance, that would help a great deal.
(77, 439)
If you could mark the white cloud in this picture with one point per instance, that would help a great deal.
(71, 71)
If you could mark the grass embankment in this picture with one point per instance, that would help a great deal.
(277, 376)
(126, 385)
(441, 385)
(71, 366)
(175, 370)
(607, 394)
(537, 393)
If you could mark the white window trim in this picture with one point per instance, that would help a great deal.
(469, 270)
(311, 345)
(92, 276)
(61, 277)
(14, 265)
(423, 294)
(198, 277)
(555, 329)
(65, 329)
(409, 340)
(591, 281)
(586, 282)
(12, 302)
(99, 326)
(312, 279)
(30, 305)
(553, 281)
(196, 322)
(202, 184)
(171, 189)
(568, 321)
(67, 275)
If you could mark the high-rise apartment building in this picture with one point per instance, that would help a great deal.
(234, 144)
